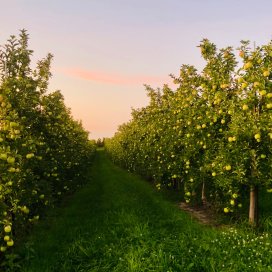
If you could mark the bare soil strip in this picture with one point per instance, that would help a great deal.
(202, 214)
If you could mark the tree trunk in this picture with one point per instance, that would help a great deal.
(179, 184)
(175, 184)
(203, 194)
(253, 206)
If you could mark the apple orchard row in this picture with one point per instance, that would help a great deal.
(211, 136)
(44, 153)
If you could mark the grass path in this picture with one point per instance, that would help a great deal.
(117, 223)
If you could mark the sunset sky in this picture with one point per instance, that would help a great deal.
(106, 50)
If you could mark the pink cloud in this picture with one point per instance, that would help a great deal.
(114, 78)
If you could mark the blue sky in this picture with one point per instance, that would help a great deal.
(105, 50)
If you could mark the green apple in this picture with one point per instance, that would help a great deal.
(240, 79)
(10, 243)
(228, 167)
(11, 160)
(24, 209)
(235, 195)
(3, 156)
(224, 86)
(226, 210)
(3, 249)
(230, 139)
(13, 124)
(12, 169)
(245, 107)
(248, 65)
(29, 156)
(266, 73)
(244, 85)
(7, 228)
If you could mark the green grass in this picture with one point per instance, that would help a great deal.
(118, 222)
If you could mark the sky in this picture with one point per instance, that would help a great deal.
(106, 50)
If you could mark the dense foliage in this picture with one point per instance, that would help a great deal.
(43, 151)
(212, 135)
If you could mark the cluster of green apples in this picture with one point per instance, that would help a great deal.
(211, 136)
(44, 152)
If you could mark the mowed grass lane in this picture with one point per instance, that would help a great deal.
(118, 222)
